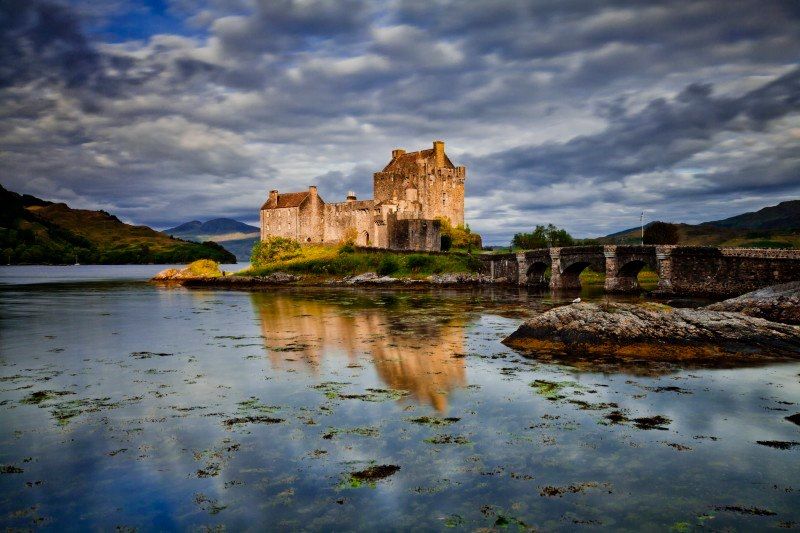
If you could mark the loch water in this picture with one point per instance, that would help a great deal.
(132, 405)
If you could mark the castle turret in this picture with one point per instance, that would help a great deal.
(351, 196)
(438, 153)
(397, 152)
(273, 196)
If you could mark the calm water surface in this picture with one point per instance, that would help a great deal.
(128, 404)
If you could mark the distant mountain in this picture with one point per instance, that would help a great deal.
(236, 236)
(782, 217)
(217, 226)
(35, 231)
(187, 227)
(771, 227)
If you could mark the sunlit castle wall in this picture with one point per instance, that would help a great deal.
(424, 181)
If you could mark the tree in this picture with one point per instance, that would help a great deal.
(459, 236)
(661, 233)
(542, 237)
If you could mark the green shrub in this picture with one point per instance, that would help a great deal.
(460, 236)
(418, 262)
(388, 265)
(274, 249)
(205, 268)
(347, 248)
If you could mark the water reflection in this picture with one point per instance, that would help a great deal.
(410, 347)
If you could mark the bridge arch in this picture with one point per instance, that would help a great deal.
(568, 263)
(623, 264)
(535, 275)
(632, 267)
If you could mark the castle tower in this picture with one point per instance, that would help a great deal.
(423, 184)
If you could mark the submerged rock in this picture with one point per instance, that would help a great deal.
(779, 303)
(656, 332)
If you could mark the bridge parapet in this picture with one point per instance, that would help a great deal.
(709, 271)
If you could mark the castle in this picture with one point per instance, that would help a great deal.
(411, 194)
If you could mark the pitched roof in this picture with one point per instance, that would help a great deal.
(409, 162)
(287, 199)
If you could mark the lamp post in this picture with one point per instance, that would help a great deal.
(641, 223)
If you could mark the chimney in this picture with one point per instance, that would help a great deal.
(397, 152)
(351, 196)
(273, 197)
(438, 153)
(312, 190)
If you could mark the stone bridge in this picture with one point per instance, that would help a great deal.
(688, 270)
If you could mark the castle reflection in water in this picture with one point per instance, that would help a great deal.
(410, 346)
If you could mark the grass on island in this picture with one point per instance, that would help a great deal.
(205, 268)
(344, 260)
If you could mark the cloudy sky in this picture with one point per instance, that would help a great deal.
(573, 112)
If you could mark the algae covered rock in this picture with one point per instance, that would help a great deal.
(779, 303)
(656, 332)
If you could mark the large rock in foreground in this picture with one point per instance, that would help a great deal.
(656, 332)
(779, 303)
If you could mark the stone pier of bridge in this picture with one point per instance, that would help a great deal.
(684, 270)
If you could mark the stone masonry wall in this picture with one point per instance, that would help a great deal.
(280, 222)
(439, 191)
(340, 217)
(501, 267)
(413, 234)
(729, 271)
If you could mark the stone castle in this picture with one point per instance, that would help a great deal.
(411, 194)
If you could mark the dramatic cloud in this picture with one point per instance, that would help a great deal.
(573, 112)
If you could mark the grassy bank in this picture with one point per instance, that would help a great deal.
(324, 260)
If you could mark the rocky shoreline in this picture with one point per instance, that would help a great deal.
(654, 332)
(779, 303)
(187, 279)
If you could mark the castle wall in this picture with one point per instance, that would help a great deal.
(311, 228)
(340, 217)
(280, 222)
(302, 223)
(414, 234)
(439, 192)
